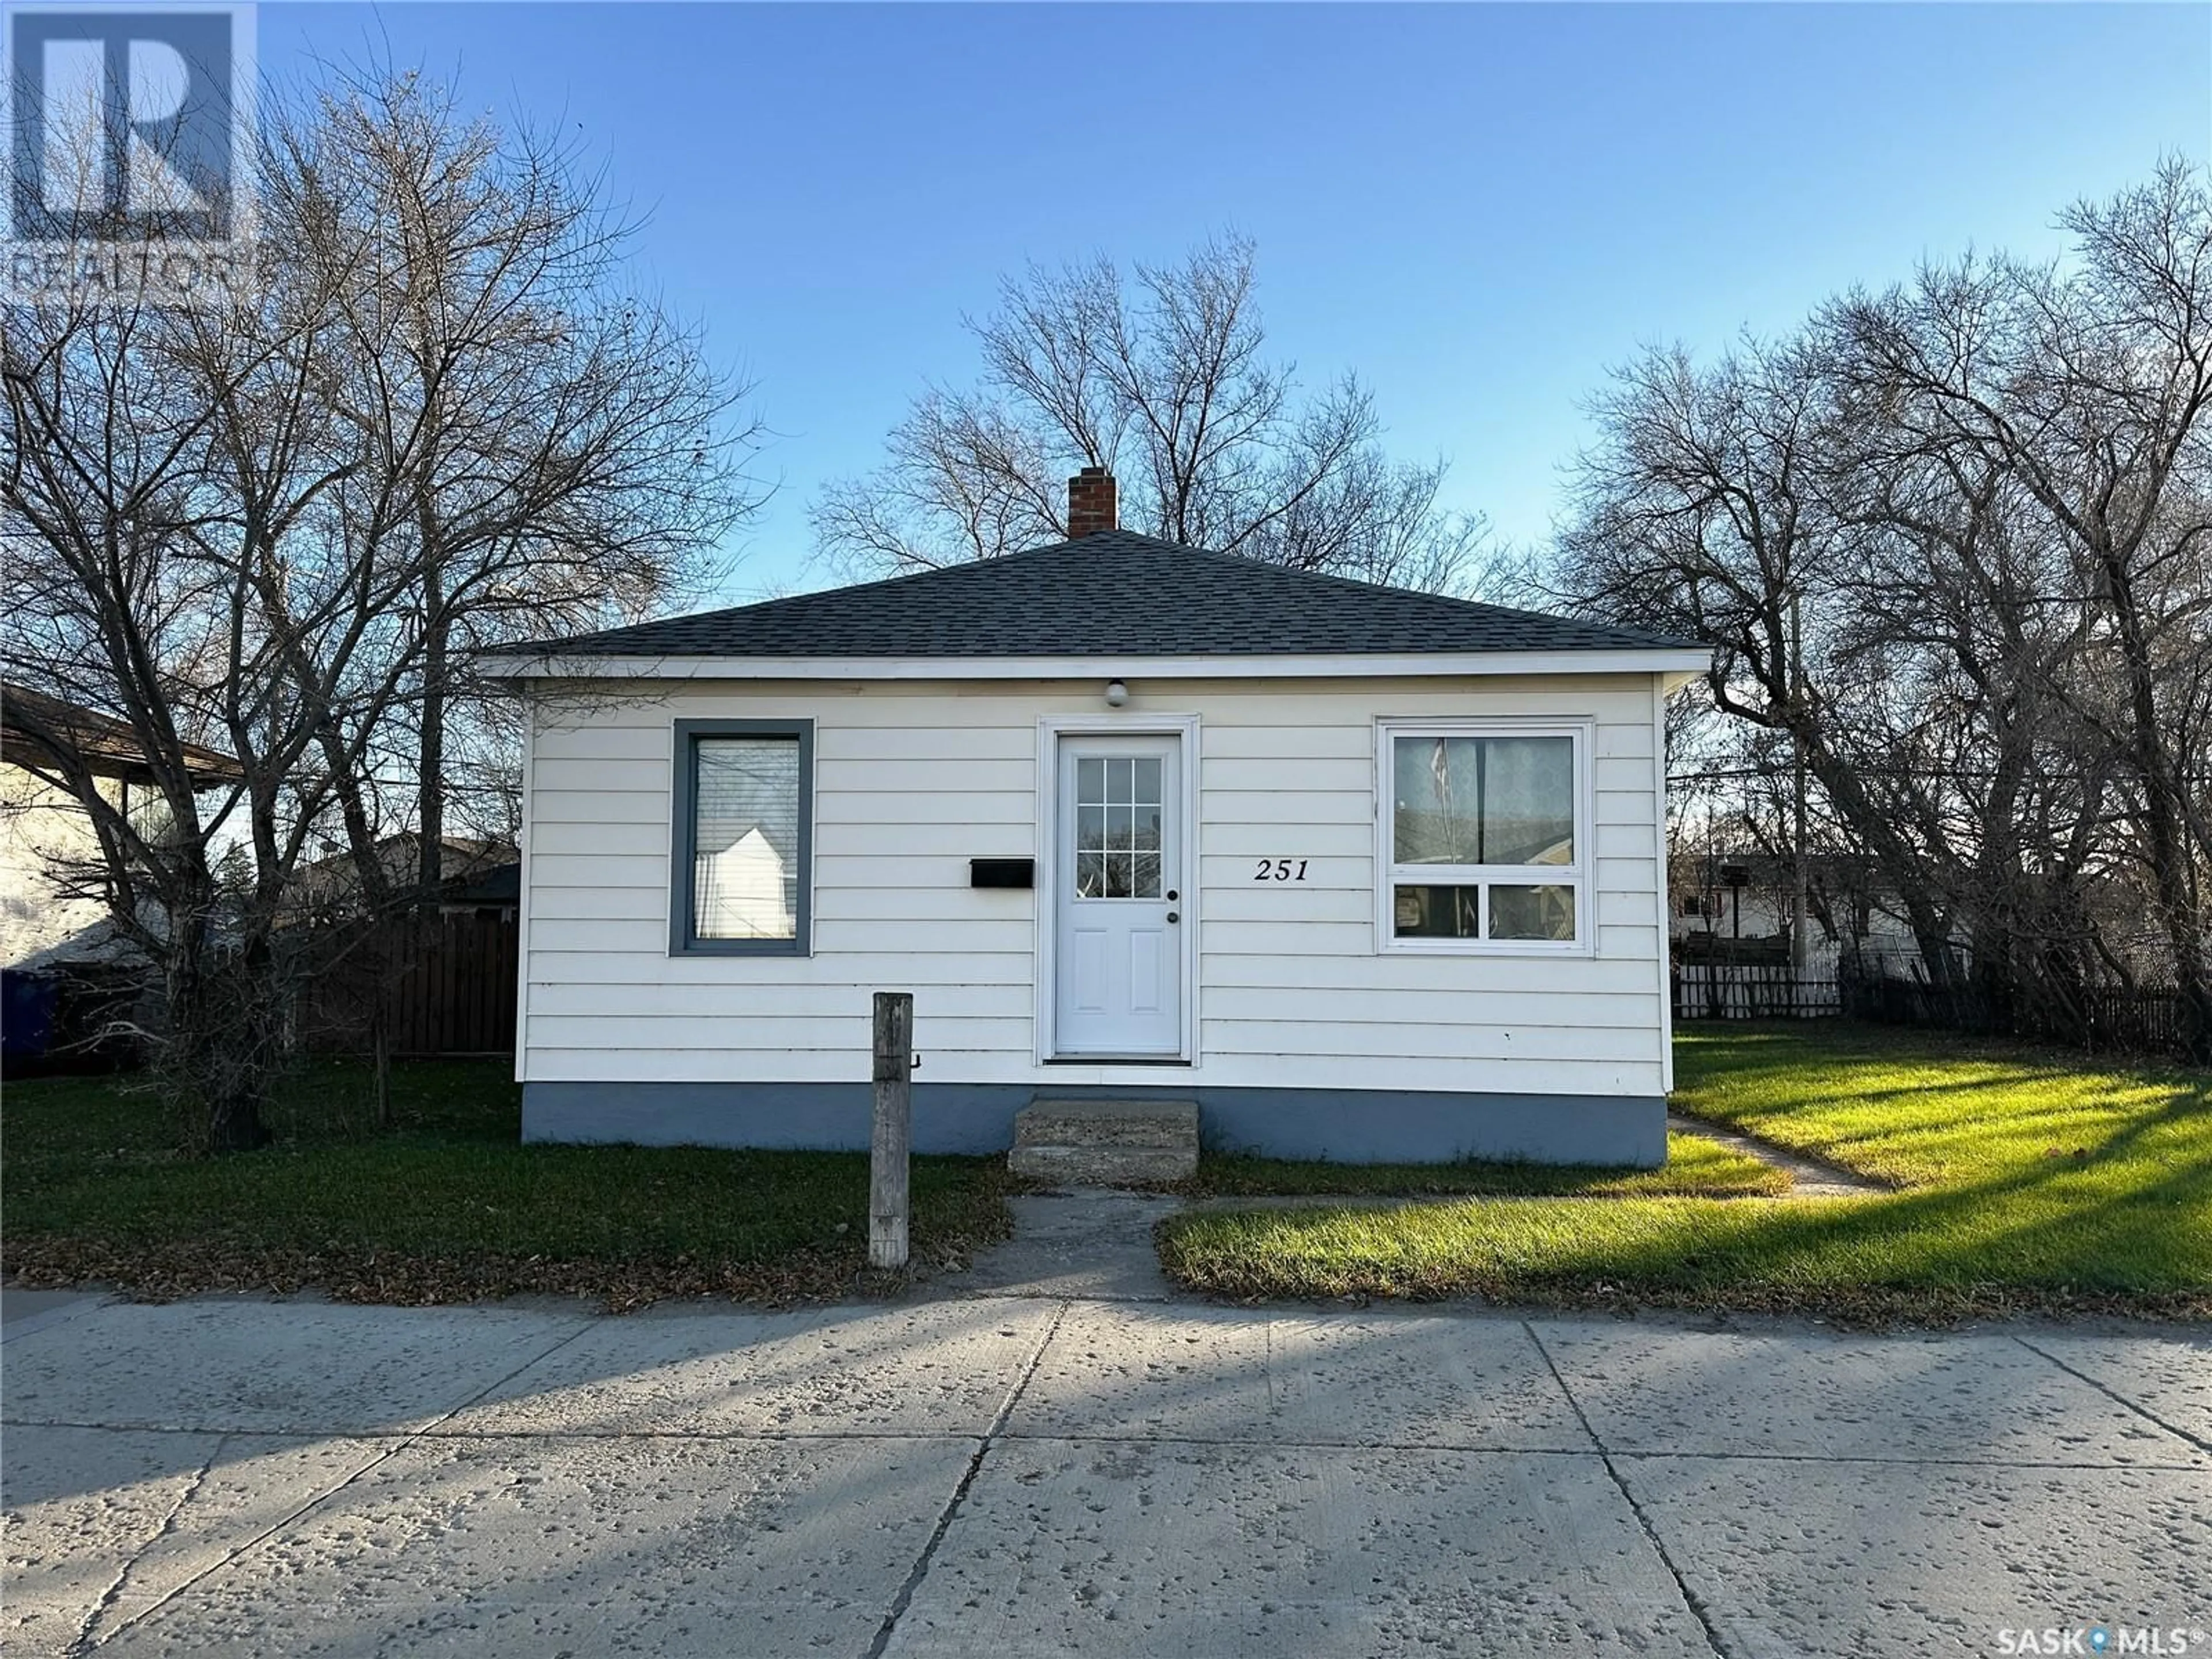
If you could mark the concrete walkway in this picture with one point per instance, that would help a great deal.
(1022, 1475)
(1089, 1243)
(1809, 1176)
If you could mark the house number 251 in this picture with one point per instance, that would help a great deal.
(1281, 870)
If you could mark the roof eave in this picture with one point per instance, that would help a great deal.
(1668, 660)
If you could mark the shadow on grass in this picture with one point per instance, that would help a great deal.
(447, 1204)
(2122, 1215)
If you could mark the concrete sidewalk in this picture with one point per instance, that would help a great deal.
(1053, 1475)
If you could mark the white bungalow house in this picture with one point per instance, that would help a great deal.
(1364, 873)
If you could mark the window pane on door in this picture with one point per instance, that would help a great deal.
(1119, 827)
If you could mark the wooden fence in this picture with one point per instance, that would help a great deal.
(440, 985)
(2102, 1019)
(2112, 1019)
(1743, 991)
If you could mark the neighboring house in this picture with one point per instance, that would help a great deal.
(744, 889)
(475, 876)
(1738, 907)
(52, 912)
(1365, 873)
(492, 892)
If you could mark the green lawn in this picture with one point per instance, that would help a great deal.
(2027, 1180)
(1695, 1165)
(445, 1205)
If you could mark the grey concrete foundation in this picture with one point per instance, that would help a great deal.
(1352, 1126)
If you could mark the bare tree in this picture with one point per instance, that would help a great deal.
(1951, 540)
(2085, 391)
(542, 449)
(1162, 379)
(267, 526)
(1702, 511)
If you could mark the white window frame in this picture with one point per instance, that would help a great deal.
(1389, 874)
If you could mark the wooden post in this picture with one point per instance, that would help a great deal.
(887, 1145)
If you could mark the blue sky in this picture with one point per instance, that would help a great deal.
(1477, 208)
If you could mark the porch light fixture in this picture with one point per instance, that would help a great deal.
(1116, 694)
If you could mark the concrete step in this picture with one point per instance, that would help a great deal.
(1107, 1123)
(1104, 1166)
(1106, 1143)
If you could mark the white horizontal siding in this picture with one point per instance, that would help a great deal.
(555, 905)
(555, 838)
(870, 809)
(943, 873)
(1305, 904)
(963, 841)
(1488, 1039)
(951, 777)
(839, 977)
(1342, 778)
(1231, 871)
(639, 1064)
(1421, 1005)
(631, 774)
(948, 899)
(1220, 744)
(1011, 745)
(1007, 999)
(1631, 740)
(1619, 840)
(911, 782)
(1010, 1000)
(840, 1033)
(1564, 978)
(598, 806)
(1250, 832)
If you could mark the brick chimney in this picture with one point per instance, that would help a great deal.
(1090, 503)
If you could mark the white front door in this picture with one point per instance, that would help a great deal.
(1119, 873)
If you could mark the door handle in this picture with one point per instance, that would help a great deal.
(1173, 896)
(1173, 917)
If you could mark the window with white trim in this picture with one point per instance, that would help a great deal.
(1483, 838)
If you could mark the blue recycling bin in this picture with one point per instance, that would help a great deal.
(26, 1013)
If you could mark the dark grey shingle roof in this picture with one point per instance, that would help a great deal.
(1112, 593)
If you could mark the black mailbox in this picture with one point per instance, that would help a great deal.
(1002, 873)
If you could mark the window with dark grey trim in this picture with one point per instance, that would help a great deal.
(744, 841)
